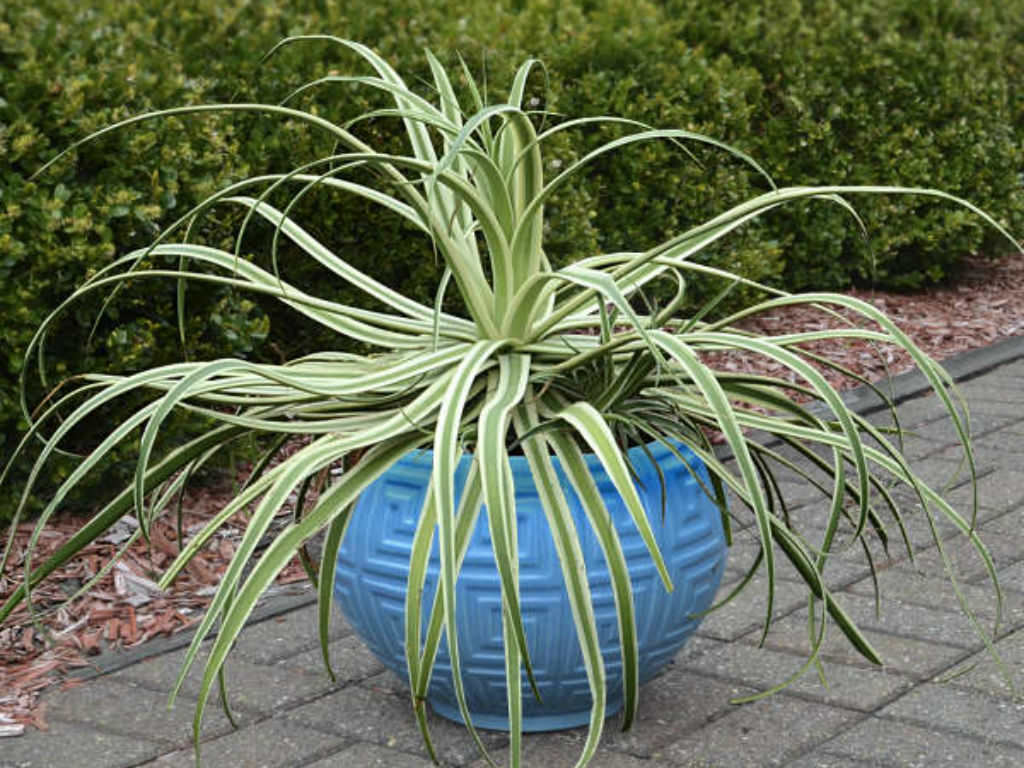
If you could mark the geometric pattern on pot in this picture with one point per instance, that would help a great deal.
(373, 568)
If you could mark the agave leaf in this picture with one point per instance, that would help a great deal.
(593, 429)
(325, 585)
(575, 467)
(570, 557)
(465, 521)
(446, 452)
(499, 495)
(419, 558)
(726, 418)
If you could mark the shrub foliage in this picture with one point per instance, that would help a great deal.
(909, 92)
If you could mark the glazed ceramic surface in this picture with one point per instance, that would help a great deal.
(372, 575)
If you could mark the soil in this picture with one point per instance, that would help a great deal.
(126, 608)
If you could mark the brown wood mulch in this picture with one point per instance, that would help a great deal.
(126, 608)
(986, 304)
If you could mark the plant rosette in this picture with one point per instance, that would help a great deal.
(574, 365)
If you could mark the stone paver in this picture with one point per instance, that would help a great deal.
(270, 744)
(87, 744)
(890, 743)
(551, 749)
(935, 592)
(844, 686)
(767, 732)
(283, 636)
(362, 755)
(1012, 577)
(982, 673)
(386, 719)
(964, 711)
(747, 610)
(915, 658)
(129, 709)
(968, 565)
(819, 760)
(939, 699)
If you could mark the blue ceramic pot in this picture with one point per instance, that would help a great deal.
(372, 576)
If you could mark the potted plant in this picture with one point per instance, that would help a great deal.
(564, 374)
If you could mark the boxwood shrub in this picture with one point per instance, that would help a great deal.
(912, 92)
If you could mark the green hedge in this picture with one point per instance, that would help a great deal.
(913, 92)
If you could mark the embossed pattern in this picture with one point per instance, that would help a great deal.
(372, 576)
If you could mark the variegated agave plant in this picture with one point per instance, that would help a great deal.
(546, 361)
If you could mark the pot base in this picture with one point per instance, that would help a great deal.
(561, 721)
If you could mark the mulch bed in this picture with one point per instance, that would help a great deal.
(985, 305)
(126, 608)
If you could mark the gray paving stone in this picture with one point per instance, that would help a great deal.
(907, 746)
(939, 473)
(1009, 525)
(363, 755)
(964, 558)
(908, 620)
(998, 490)
(128, 709)
(68, 744)
(268, 744)
(995, 389)
(1012, 577)
(1010, 440)
(286, 635)
(843, 567)
(383, 718)
(386, 682)
(252, 688)
(160, 673)
(564, 748)
(747, 610)
(981, 672)
(907, 656)
(934, 591)
(818, 760)
(798, 492)
(916, 449)
(914, 412)
(998, 400)
(969, 712)
(846, 561)
(672, 704)
(764, 668)
(943, 431)
(766, 732)
(350, 659)
(961, 499)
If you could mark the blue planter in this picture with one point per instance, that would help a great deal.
(372, 575)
